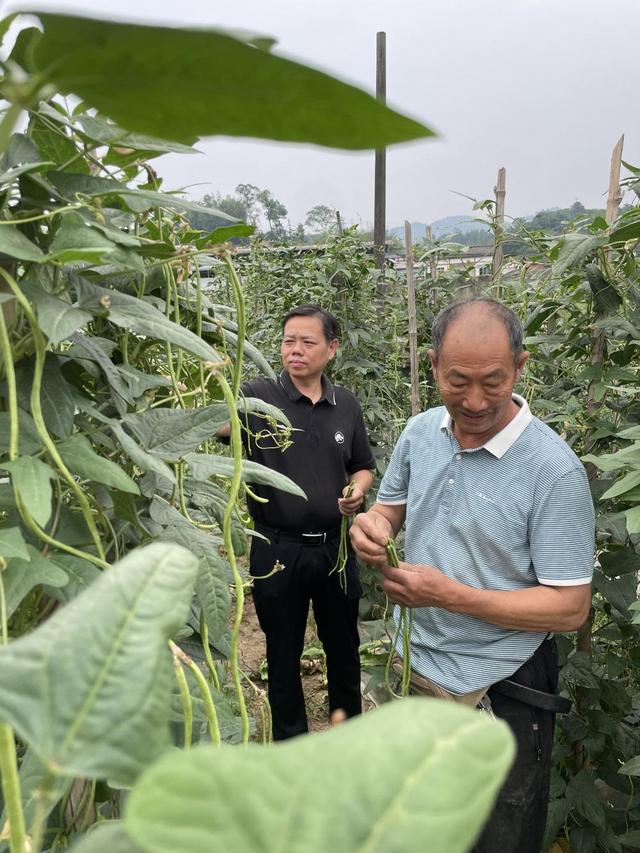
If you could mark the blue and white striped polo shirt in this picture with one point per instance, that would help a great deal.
(512, 514)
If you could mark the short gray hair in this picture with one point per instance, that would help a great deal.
(508, 318)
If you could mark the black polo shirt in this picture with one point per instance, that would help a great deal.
(329, 443)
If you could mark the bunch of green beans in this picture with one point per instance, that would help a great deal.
(403, 629)
(343, 549)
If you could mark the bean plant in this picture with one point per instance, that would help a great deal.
(121, 518)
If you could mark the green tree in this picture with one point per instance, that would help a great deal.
(321, 219)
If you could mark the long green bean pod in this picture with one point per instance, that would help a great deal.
(343, 549)
(403, 630)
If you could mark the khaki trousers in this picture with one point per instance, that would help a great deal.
(421, 686)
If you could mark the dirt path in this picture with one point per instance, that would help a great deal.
(252, 661)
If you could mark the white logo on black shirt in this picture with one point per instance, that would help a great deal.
(339, 437)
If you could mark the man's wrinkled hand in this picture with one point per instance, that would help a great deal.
(415, 586)
(370, 533)
(350, 504)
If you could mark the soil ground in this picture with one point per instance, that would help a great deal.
(252, 661)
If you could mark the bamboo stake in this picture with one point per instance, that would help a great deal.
(615, 191)
(584, 638)
(339, 223)
(433, 261)
(413, 327)
(500, 190)
(379, 203)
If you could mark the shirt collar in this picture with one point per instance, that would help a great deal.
(503, 440)
(328, 391)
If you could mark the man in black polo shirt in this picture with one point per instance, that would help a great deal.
(330, 450)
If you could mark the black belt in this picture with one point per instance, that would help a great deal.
(531, 696)
(313, 537)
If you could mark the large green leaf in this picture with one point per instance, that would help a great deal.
(102, 130)
(56, 398)
(574, 249)
(80, 457)
(145, 461)
(20, 577)
(174, 527)
(106, 837)
(76, 240)
(32, 479)
(28, 439)
(172, 433)
(91, 346)
(622, 486)
(633, 520)
(212, 589)
(135, 199)
(12, 544)
(80, 575)
(414, 770)
(88, 689)
(142, 318)
(16, 245)
(139, 382)
(204, 466)
(234, 89)
(58, 319)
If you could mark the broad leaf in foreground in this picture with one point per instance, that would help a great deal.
(88, 689)
(419, 769)
(118, 67)
(107, 837)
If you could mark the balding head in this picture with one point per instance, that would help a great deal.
(479, 313)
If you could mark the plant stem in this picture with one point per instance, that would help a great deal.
(209, 706)
(185, 696)
(236, 449)
(11, 790)
(38, 418)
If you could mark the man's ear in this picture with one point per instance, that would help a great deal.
(432, 358)
(333, 347)
(522, 360)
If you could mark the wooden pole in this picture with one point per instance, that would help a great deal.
(433, 261)
(379, 199)
(584, 638)
(500, 190)
(413, 326)
(339, 223)
(615, 192)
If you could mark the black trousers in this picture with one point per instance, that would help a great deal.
(517, 822)
(282, 606)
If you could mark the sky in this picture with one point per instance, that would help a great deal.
(542, 87)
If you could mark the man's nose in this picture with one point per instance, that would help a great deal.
(474, 400)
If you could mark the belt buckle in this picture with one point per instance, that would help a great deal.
(322, 534)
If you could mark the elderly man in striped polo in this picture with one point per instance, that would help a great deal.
(499, 550)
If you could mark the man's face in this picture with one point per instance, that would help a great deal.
(305, 351)
(476, 375)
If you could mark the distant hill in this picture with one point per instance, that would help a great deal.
(444, 227)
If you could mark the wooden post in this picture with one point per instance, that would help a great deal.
(583, 641)
(500, 190)
(615, 192)
(413, 326)
(379, 200)
(433, 261)
(339, 223)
